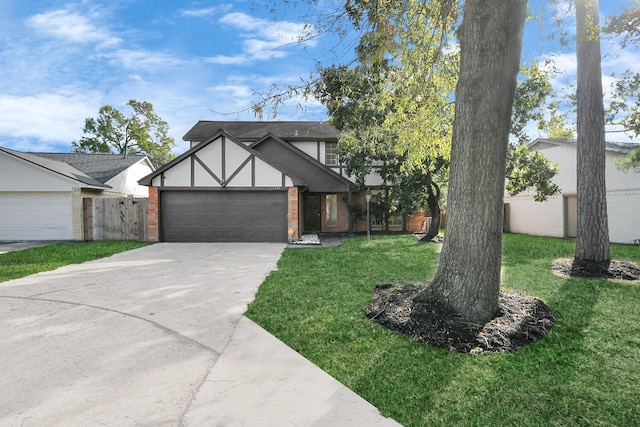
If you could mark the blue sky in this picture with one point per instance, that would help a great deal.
(60, 61)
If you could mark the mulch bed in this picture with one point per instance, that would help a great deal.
(521, 320)
(423, 237)
(618, 270)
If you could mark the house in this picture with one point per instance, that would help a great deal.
(256, 181)
(41, 193)
(557, 217)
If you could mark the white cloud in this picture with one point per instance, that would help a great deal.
(263, 39)
(208, 11)
(228, 60)
(67, 25)
(263, 49)
(618, 60)
(49, 117)
(231, 91)
(141, 59)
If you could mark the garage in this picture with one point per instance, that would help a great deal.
(223, 216)
(35, 216)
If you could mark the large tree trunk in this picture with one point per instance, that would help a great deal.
(592, 240)
(468, 276)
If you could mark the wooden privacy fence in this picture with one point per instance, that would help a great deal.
(115, 218)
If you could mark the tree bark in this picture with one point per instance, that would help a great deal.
(468, 276)
(592, 239)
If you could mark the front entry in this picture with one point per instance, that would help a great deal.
(312, 213)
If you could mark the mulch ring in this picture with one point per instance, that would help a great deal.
(521, 320)
(618, 270)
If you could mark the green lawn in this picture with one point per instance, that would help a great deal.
(586, 372)
(44, 258)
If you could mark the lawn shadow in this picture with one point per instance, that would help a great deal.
(563, 379)
(413, 386)
(535, 385)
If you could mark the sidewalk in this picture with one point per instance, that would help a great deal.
(259, 381)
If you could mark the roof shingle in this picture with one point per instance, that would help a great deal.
(254, 131)
(99, 166)
(88, 168)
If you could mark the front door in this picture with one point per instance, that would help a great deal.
(312, 213)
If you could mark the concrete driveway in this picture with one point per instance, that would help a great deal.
(156, 336)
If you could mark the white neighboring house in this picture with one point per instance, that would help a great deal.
(41, 193)
(557, 217)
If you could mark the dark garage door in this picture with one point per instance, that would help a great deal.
(224, 216)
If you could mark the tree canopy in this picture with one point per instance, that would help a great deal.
(626, 90)
(142, 131)
(394, 107)
(627, 25)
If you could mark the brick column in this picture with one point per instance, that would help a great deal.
(152, 219)
(292, 212)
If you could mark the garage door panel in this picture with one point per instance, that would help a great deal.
(224, 216)
(38, 216)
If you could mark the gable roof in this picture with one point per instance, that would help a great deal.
(56, 167)
(319, 178)
(614, 147)
(99, 166)
(254, 131)
(219, 133)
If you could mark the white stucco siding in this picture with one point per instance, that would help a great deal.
(566, 157)
(36, 216)
(233, 165)
(202, 177)
(235, 156)
(179, 175)
(126, 182)
(548, 219)
(527, 216)
(617, 179)
(623, 211)
(211, 155)
(311, 149)
(267, 175)
(373, 179)
(321, 154)
(242, 178)
(19, 175)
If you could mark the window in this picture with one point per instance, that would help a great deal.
(378, 212)
(331, 210)
(331, 153)
(394, 219)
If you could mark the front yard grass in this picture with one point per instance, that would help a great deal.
(585, 372)
(18, 264)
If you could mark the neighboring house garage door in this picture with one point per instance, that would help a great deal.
(38, 216)
(224, 216)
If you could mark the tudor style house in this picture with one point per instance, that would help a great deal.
(257, 181)
(557, 217)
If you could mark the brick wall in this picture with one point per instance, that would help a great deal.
(416, 222)
(293, 219)
(342, 214)
(153, 230)
(360, 225)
